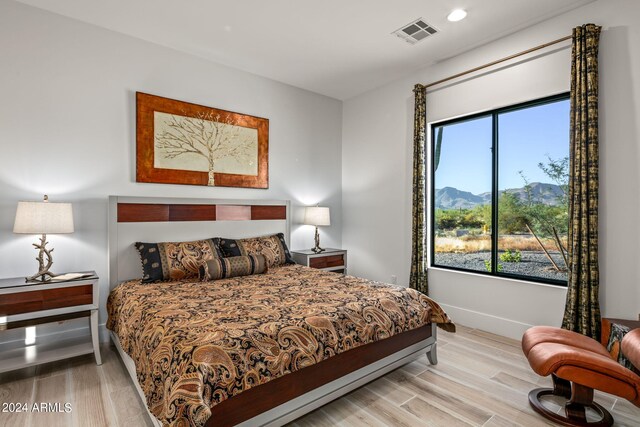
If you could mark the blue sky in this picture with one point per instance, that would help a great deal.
(526, 137)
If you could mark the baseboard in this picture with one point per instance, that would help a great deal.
(487, 322)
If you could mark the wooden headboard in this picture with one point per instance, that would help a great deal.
(163, 219)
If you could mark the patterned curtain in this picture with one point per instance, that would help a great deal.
(582, 311)
(418, 278)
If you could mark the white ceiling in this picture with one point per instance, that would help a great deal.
(339, 48)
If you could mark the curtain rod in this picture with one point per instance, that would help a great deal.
(490, 64)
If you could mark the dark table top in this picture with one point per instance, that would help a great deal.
(21, 282)
(310, 252)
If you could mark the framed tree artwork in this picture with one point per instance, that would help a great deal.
(183, 143)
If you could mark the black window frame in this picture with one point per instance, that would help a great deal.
(495, 146)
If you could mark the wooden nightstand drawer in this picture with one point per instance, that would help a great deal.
(327, 261)
(330, 260)
(25, 302)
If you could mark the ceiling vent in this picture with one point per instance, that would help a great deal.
(415, 31)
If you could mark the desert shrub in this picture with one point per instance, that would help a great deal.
(470, 219)
(542, 218)
(512, 217)
(448, 219)
(487, 266)
(511, 256)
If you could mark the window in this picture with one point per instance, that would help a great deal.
(500, 191)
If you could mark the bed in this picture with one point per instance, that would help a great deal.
(254, 350)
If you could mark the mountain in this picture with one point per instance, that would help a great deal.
(548, 194)
(452, 198)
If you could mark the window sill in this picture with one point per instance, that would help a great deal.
(498, 278)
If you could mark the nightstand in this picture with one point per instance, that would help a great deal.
(34, 303)
(331, 259)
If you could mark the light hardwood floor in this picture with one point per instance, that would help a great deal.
(481, 380)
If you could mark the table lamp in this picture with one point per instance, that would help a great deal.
(318, 216)
(43, 218)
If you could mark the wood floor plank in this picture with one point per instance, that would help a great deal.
(514, 411)
(390, 391)
(465, 377)
(114, 370)
(514, 357)
(497, 338)
(448, 403)
(606, 400)
(442, 340)
(482, 380)
(140, 420)
(317, 418)
(59, 367)
(90, 395)
(384, 410)
(476, 337)
(126, 405)
(18, 374)
(493, 348)
(473, 358)
(624, 420)
(17, 390)
(51, 391)
(452, 355)
(514, 382)
(433, 415)
(460, 328)
(124, 399)
(418, 366)
(344, 413)
(498, 421)
(625, 408)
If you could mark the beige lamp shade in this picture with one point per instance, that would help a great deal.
(43, 218)
(316, 215)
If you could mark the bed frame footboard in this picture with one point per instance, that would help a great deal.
(289, 397)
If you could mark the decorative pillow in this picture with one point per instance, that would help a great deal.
(222, 268)
(616, 335)
(175, 260)
(273, 247)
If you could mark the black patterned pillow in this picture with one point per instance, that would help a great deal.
(614, 345)
(227, 247)
(222, 268)
(273, 247)
(175, 260)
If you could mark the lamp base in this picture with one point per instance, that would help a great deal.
(43, 274)
(44, 277)
(317, 249)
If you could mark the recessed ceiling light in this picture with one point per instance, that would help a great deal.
(457, 15)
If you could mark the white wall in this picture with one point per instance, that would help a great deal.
(67, 128)
(377, 167)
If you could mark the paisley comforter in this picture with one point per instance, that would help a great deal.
(196, 344)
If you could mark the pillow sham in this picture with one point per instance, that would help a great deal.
(175, 260)
(273, 247)
(222, 268)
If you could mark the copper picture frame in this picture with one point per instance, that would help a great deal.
(182, 143)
